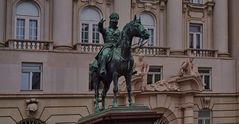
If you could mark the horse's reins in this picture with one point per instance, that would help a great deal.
(140, 43)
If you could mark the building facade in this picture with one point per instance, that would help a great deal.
(47, 46)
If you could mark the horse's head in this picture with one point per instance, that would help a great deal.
(137, 29)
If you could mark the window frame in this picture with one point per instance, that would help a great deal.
(203, 119)
(91, 24)
(149, 26)
(196, 2)
(202, 75)
(30, 76)
(27, 23)
(155, 73)
(195, 36)
(90, 31)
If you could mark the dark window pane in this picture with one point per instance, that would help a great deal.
(191, 41)
(157, 77)
(36, 78)
(155, 69)
(198, 41)
(207, 121)
(207, 81)
(195, 28)
(204, 71)
(149, 79)
(200, 122)
(204, 113)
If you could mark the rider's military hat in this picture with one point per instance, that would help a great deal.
(114, 17)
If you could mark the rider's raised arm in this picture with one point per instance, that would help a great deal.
(101, 27)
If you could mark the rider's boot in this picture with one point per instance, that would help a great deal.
(103, 66)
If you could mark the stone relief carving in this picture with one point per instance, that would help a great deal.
(206, 101)
(138, 79)
(32, 105)
(187, 69)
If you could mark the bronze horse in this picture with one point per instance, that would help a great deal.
(120, 63)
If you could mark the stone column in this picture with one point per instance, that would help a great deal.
(174, 24)
(2, 21)
(220, 27)
(123, 8)
(162, 24)
(62, 22)
(188, 116)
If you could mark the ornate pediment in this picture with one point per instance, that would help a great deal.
(93, 2)
(149, 4)
(206, 7)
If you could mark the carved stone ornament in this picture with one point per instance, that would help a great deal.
(206, 102)
(187, 69)
(93, 2)
(206, 7)
(32, 105)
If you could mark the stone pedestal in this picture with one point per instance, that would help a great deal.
(122, 115)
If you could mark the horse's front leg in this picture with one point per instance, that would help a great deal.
(115, 89)
(104, 93)
(128, 84)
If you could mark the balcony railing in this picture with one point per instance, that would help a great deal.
(95, 48)
(88, 47)
(29, 44)
(202, 53)
(153, 51)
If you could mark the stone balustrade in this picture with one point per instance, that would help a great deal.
(88, 47)
(202, 53)
(29, 44)
(153, 51)
(95, 48)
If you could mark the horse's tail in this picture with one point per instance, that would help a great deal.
(92, 72)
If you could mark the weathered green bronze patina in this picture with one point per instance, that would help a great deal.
(116, 57)
(111, 36)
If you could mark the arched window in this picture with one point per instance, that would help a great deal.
(27, 21)
(148, 21)
(204, 116)
(89, 18)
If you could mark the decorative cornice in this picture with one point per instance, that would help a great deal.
(208, 7)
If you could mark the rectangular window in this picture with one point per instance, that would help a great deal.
(33, 30)
(85, 33)
(206, 75)
(95, 34)
(197, 1)
(31, 76)
(155, 74)
(20, 29)
(195, 36)
(204, 117)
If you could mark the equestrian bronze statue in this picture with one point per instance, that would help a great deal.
(115, 59)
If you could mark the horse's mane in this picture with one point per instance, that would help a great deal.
(122, 34)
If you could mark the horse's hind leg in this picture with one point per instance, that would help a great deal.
(128, 84)
(115, 89)
(104, 92)
(96, 87)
